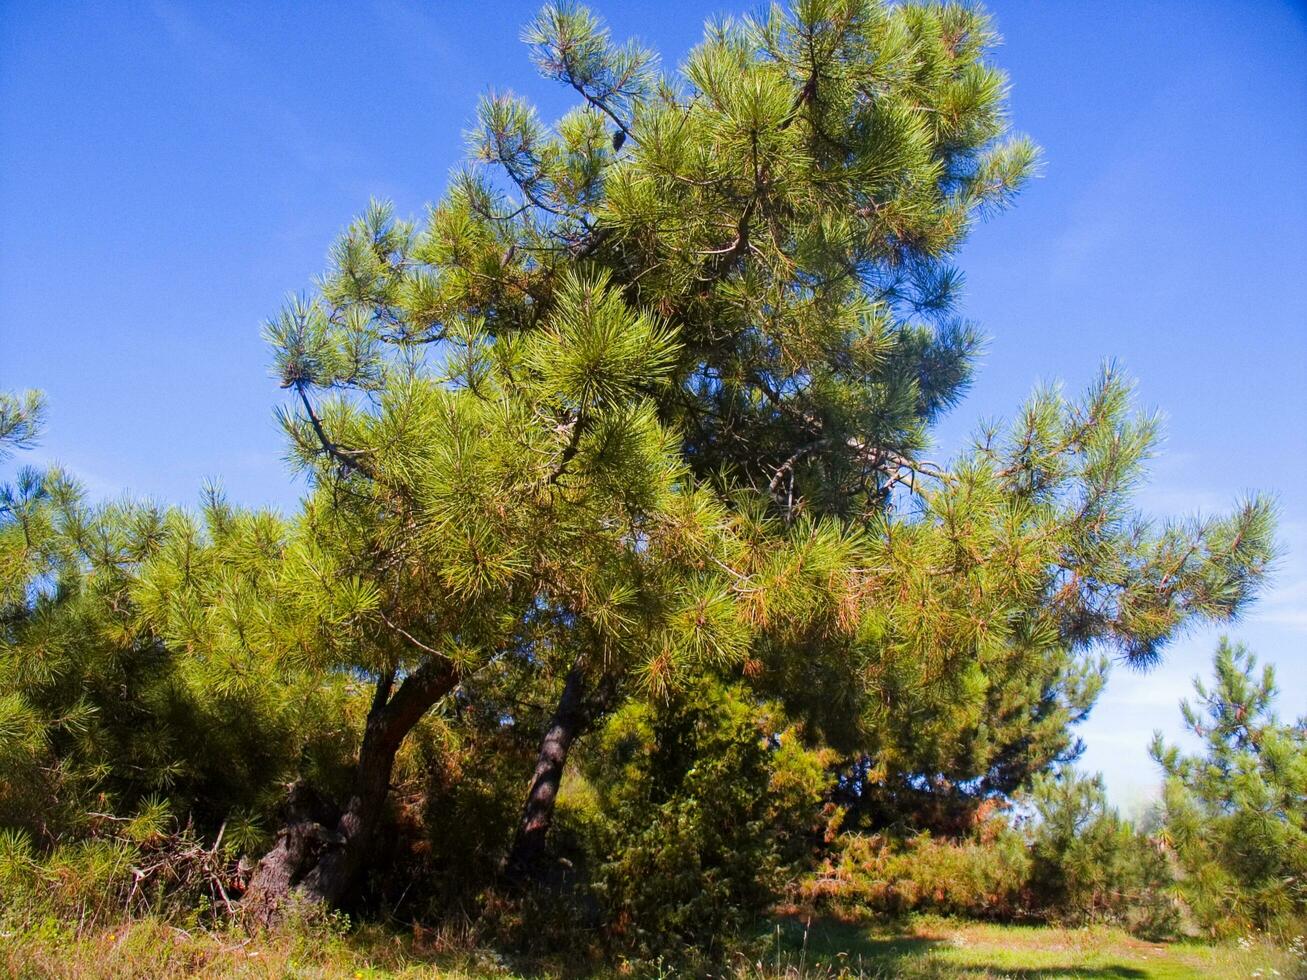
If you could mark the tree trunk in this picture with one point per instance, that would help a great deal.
(318, 861)
(572, 716)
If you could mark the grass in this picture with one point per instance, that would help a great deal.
(152, 948)
(921, 949)
(930, 947)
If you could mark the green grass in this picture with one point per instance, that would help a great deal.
(921, 949)
(929, 947)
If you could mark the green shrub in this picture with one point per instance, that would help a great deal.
(131, 867)
(1090, 865)
(982, 876)
(1073, 860)
(703, 804)
(138, 680)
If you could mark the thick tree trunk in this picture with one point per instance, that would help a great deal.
(322, 861)
(571, 717)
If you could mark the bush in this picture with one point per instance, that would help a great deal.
(983, 876)
(118, 688)
(1090, 865)
(132, 869)
(1074, 860)
(703, 804)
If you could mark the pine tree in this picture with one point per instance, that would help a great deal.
(1236, 814)
(789, 203)
(109, 712)
(648, 394)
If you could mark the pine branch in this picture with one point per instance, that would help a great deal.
(350, 459)
(603, 107)
(409, 636)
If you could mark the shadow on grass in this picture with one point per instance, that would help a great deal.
(829, 943)
(1050, 972)
(820, 946)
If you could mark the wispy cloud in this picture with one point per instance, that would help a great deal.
(290, 135)
(1099, 223)
(1284, 605)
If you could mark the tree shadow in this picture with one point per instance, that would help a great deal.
(830, 946)
(831, 943)
(1051, 972)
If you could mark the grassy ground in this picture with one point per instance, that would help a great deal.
(925, 948)
(932, 947)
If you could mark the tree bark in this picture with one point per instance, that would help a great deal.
(571, 718)
(322, 861)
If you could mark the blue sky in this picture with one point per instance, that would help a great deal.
(169, 171)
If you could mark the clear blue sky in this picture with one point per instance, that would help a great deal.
(169, 171)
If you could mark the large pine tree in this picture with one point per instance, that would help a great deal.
(649, 370)
(642, 408)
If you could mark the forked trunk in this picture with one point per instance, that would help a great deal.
(571, 718)
(320, 859)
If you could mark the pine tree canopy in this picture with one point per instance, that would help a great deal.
(734, 282)
(787, 204)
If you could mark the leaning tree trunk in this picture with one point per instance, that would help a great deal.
(571, 718)
(321, 859)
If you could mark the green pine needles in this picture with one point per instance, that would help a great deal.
(620, 526)
(1235, 813)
